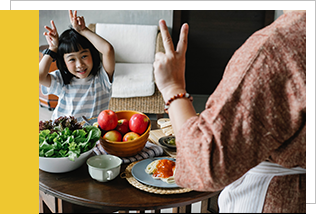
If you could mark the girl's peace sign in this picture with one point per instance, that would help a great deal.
(52, 36)
(77, 22)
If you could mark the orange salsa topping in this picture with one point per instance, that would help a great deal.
(165, 168)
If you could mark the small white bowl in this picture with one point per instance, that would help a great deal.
(61, 165)
(104, 168)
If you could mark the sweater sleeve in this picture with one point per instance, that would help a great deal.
(258, 107)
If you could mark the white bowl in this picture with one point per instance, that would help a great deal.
(60, 165)
(104, 168)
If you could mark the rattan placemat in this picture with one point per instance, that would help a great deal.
(157, 190)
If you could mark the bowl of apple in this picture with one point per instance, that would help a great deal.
(124, 133)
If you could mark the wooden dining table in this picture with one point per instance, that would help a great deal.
(77, 192)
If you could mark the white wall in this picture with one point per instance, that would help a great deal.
(143, 17)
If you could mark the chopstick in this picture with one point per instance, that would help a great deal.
(86, 120)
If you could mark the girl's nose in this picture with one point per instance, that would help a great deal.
(79, 63)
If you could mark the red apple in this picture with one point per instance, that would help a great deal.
(122, 126)
(107, 120)
(138, 123)
(113, 135)
(130, 136)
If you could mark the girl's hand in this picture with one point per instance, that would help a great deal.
(52, 36)
(169, 67)
(77, 22)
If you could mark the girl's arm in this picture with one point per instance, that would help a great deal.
(103, 46)
(44, 65)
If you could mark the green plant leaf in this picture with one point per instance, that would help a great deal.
(63, 142)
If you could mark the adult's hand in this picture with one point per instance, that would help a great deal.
(169, 67)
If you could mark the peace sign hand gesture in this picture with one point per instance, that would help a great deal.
(77, 22)
(52, 36)
(169, 67)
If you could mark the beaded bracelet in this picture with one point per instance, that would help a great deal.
(181, 95)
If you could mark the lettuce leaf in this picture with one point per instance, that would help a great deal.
(66, 143)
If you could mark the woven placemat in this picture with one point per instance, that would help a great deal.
(157, 190)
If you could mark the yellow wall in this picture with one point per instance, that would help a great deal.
(19, 111)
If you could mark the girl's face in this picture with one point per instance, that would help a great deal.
(79, 63)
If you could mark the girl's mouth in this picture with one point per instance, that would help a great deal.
(83, 71)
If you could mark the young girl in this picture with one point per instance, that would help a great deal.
(83, 82)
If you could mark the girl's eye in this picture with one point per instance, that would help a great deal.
(84, 56)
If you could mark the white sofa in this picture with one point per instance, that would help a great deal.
(133, 83)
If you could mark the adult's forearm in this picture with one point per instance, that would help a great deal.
(180, 110)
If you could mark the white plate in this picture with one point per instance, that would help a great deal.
(138, 171)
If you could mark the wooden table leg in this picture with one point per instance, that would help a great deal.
(184, 209)
(42, 206)
(64, 206)
(204, 206)
(210, 205)
(48, 203)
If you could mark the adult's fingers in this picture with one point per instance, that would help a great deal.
(159, 55)
(183, 40)
(166, 38)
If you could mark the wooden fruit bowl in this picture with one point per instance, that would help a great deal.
(129, 148)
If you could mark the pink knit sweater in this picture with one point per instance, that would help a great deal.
(257, 113)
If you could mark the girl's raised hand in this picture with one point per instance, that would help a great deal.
(52, 36)
(77, 22)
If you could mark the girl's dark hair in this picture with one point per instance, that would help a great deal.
(71, 41)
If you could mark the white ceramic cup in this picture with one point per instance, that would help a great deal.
(104, 168)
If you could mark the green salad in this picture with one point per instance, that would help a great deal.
(171, 141)
(64, 137)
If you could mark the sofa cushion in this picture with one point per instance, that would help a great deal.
(133, 80)
(132, 43)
